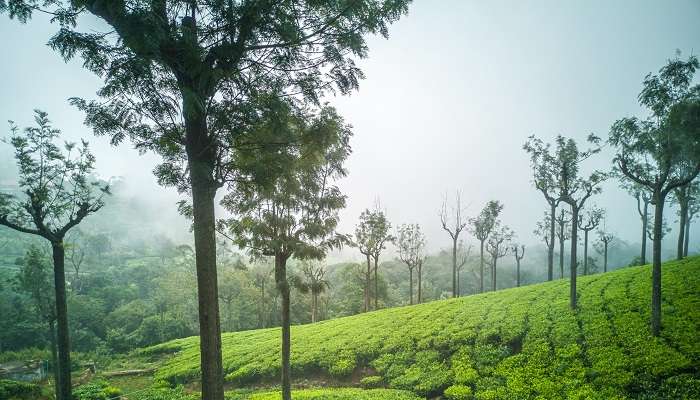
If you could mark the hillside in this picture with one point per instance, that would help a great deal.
(516, 343)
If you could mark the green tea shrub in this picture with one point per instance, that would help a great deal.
(371, 382)
(18, 390)
(459, 392)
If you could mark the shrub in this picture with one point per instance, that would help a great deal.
(458, 392)
(18, 390)
(370, 382)
(96, 390)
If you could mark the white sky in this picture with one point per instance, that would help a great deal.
(448, 101)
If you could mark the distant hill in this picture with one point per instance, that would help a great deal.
(520, 343)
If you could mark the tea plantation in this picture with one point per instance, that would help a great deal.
(522, 343)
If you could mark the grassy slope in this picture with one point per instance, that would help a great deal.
(515, 343)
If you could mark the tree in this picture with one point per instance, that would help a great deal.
(315, 284)
(544, 172)
(497, 247)
(292, 212)
(453, 223)
(693, 209)
(563, 234)
(463, 253)
(371, 237)
(35, 279)
(604, 239)
(481, 228)
(662, 152)
(519, 254)
(419, 267)
(410, 242)
(643, 200)
(178, 81)
(575, 190)
(58, 193)
(587, 222)
(684, 196)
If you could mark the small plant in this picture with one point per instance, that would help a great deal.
(458, 392)
(18, 390)
(371, 382)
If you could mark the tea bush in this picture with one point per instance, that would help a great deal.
(515, 343)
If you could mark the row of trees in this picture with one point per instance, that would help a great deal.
(653, 157)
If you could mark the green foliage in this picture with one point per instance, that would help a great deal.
(371, 382)
(96, 390)
(14, 390)
(163, 394)
(330, 394)
(458, 392)
(516, 343)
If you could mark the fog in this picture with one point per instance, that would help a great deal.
(447, 103)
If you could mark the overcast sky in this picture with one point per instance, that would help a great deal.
(448, 101)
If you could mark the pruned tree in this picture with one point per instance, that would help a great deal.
(544, 177)
(519, 254)
(662, 152)
(575, 190)
(371, 236)
(643, 197)
(587, 222)
(684, 196)
(463, 253)
(76, 255)
(453, 222)
(481, 227)
(315, 284)
(410, 242)
(293, 212)
(563, 234)
(497, 247)
(179, 77)
(262, 274)
(419, 267)
(603, 245)
(58, 193)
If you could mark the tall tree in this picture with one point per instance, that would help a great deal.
(178, 80)
(371, 237)
(604, 240)
(410, 242)
(58, 193)
(683, 197)
(563, 234)
(693, 209)
(293, 210)
(661, 152)
(419, 269)
(453, 222)
(575, 190)
(544, 177)
(643, 198)
(497, 247)
(481, 227)
(543, 232)
(587, 222)
(519, 254)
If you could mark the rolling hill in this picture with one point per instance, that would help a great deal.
(517, 343)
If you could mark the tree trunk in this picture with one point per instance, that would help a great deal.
(201, 158)
(605, 257)
(517, 272)
(493, 273)
(681, 230)
(368, 282)
(283, 287)
(687, 235)
(574, 261)
(561, 252)
(656, 267)
(262, 303)
(313, 306)
(645, 221)
(420, 282)
(585, 252)
(481, 275)
(410, 285)
(459, 285)
(454, 268)
(54, 360)
(550, 246)
(376, 284)
(63, 340)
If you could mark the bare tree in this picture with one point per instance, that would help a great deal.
(519, 253)
(463, 257)
(643, 197)
(76, 255)
(497, 247)
(419, 267)
(604, 241)
(587, 223)
(684, 196)
(453, 223)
